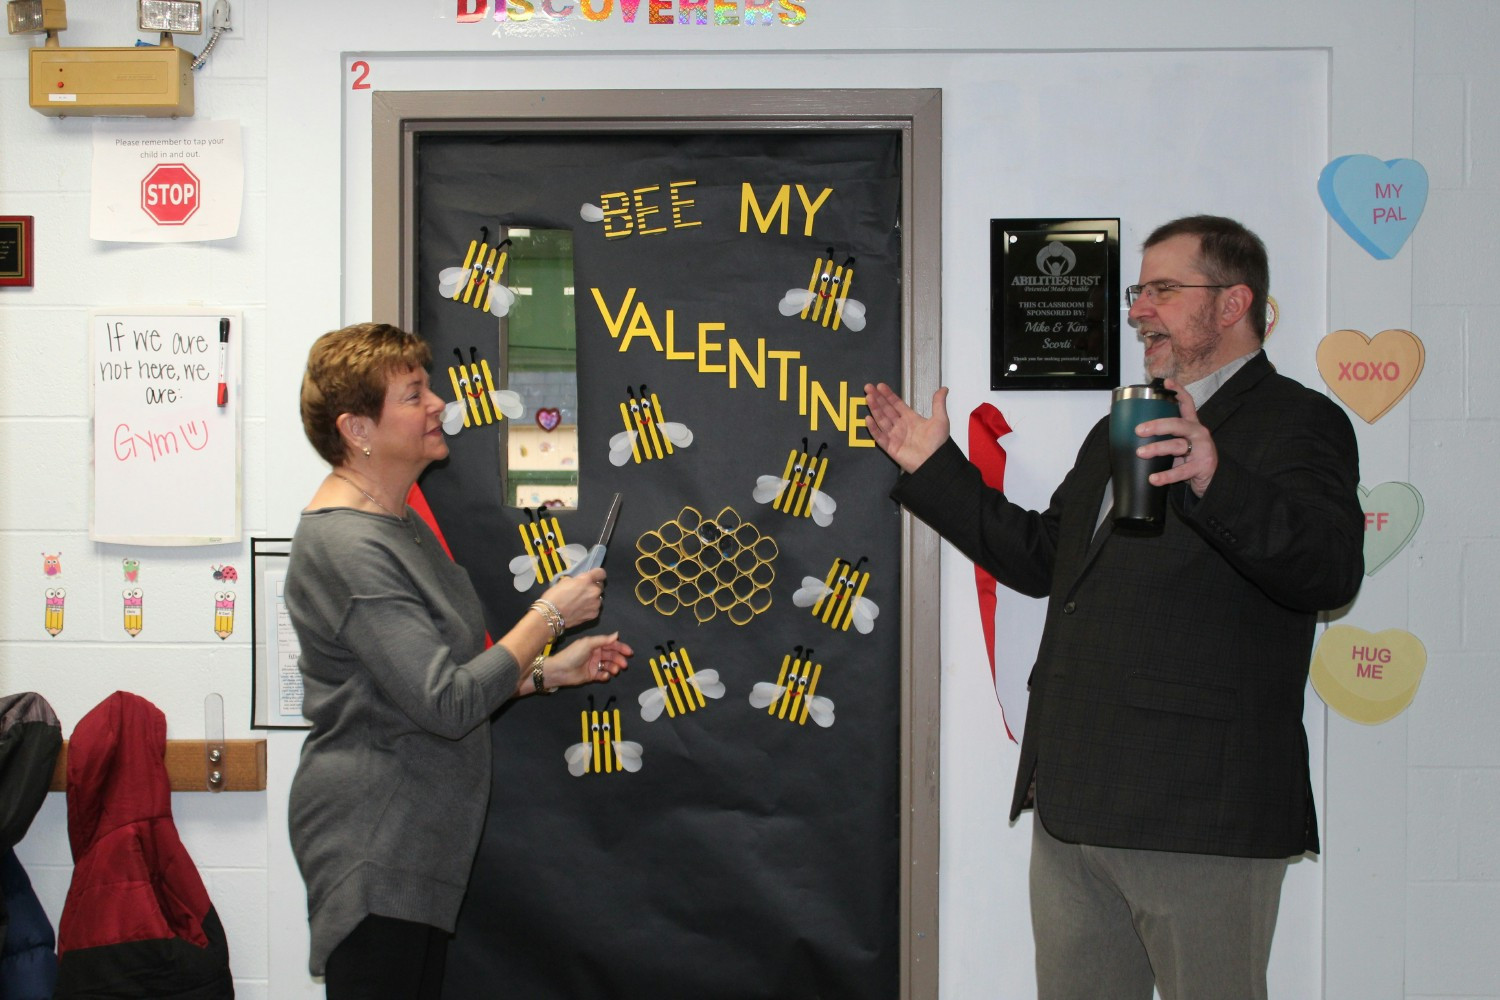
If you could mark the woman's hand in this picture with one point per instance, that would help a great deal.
(577, 598)
(587, 659)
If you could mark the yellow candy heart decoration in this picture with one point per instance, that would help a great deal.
(1368, 677)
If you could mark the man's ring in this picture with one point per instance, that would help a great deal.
(1190, 449)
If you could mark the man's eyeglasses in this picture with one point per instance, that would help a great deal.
(1157, 292)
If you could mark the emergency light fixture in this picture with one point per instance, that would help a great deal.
(27, 17)
(184, 16)
(154, 81)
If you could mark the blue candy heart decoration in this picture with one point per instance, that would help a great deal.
(1377, 203)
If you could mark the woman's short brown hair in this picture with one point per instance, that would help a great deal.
(347, 372)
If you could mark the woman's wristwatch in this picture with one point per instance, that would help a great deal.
(536, 675)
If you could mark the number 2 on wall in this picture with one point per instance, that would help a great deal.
(363, 69)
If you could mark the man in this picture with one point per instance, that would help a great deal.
(1164, 752)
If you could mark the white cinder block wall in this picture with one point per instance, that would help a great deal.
(1452, 883)
(45, 453)
(1453, 751)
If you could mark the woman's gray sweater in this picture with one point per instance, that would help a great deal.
(394, 780)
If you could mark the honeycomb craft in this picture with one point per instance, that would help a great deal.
(706, 565)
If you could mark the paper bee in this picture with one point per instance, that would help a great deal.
(56, 599)
(602, 751)
(826, 299)
(839, 599)
(646, 435)
(477, 282)
(476, 400)
(794, 696)
(795, 491)
(547, 555)
(679, 688)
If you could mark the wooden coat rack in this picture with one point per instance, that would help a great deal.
(243, 766)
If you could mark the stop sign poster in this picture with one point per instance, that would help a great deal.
(167, 182)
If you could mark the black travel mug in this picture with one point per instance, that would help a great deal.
(1138, 504)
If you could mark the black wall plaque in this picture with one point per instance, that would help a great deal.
(1054, 303)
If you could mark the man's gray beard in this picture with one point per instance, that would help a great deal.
(1176, 361)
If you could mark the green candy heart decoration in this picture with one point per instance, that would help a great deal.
(1392, 513)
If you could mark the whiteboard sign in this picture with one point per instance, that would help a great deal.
(166, 402)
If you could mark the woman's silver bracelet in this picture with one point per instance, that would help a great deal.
(549, 611)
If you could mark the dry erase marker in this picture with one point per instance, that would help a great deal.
(223, 359)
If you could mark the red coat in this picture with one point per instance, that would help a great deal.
(137, 921)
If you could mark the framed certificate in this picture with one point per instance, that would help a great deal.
(1054, 303)
(276, 679)
(16, 250)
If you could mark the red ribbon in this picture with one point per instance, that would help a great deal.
(986, 427)
(417, 500)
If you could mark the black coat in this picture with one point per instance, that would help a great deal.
(30, 739)
(1166, 700)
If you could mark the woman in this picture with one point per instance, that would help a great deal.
(391, 792)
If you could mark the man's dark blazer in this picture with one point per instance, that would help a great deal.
(1166, 699)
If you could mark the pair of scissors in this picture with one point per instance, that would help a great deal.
(595, 557)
